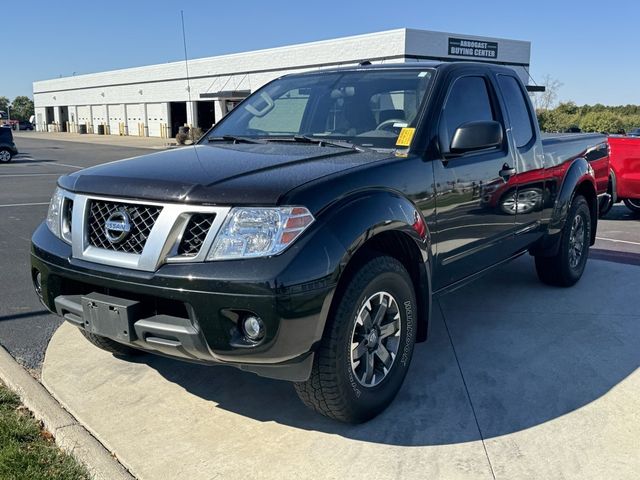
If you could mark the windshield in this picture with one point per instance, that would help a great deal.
(366, 108)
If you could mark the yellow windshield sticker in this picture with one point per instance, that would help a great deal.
(405, 137)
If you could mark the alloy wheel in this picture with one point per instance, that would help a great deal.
(375, 339)
(576, 241)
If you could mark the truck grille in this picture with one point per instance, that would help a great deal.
(195, 233)
(142, 218)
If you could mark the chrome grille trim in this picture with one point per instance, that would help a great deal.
(162, 243)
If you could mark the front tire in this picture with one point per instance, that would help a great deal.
(5, 155)
(366, 350)
(111, 346)
(566, 267)
(632, 204)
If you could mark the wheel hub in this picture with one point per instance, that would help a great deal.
(372, 339)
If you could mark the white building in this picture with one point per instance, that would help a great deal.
(154, 100)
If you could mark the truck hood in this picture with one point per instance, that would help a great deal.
(227, 174)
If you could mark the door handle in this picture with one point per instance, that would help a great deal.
(507, 172)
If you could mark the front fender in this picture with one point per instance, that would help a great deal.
(323, 254)
(365, 217)
(358, 218)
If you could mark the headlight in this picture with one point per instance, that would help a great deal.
(259, 232)
(59, 215)
(54, 216)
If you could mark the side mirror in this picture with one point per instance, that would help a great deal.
(476, 136)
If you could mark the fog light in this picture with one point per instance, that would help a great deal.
(253, 328)
(37, 283)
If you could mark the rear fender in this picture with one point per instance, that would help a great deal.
(579, 176)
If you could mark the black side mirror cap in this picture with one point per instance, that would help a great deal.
(478, 135)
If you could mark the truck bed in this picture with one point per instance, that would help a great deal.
(561, 147)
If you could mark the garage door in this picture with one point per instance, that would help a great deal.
(84, 115)
(99, 116)
(135, 116)
(116, 117)
(156, 117)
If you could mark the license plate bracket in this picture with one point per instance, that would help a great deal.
(109, 316)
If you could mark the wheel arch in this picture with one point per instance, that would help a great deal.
(578, 180)
(385, 223)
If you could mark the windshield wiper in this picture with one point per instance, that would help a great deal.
(323, 141)
(318, 141)
(235, 139)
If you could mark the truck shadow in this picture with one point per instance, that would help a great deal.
(25, 157)
(529, 354)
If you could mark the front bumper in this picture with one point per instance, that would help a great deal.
(192, 311)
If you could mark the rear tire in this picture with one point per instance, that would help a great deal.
(632, 204)
(353, 379)
(5, 155)
(566, 267)
(110, 346)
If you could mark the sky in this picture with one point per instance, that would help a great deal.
(586, 45)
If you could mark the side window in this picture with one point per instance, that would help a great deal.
(517, 109)
(285, 116)
(468, 101)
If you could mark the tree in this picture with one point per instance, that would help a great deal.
(601, 121)
(556, 120)
(4, 104)
(22, 108)
(547, 99)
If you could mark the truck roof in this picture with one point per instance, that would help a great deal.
(405, 66)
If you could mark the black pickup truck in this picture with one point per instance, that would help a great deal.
(304, 237)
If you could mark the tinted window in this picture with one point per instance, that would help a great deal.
(468, 101)
(517, 109)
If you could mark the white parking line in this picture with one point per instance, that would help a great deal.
(53, 163)
(69, 166)
(24, 204)
(617, 241)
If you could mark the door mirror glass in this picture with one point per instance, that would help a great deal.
(478, 135)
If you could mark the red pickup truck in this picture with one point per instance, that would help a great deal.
(624, 179)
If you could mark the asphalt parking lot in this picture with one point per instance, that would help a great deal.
(506, 388)
(26, 185)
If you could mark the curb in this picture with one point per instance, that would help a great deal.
(69, 435)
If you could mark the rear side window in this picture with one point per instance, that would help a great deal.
(517, 109)
(468, 101)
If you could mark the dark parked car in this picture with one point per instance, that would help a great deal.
(634, 133)
(25, 125)
(304, 237)
(7, 147)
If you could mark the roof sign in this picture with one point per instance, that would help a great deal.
(473, 48)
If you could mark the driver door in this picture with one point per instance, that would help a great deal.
(472, 232)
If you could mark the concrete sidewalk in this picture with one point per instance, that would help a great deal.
(120, 141)
(518, 381)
